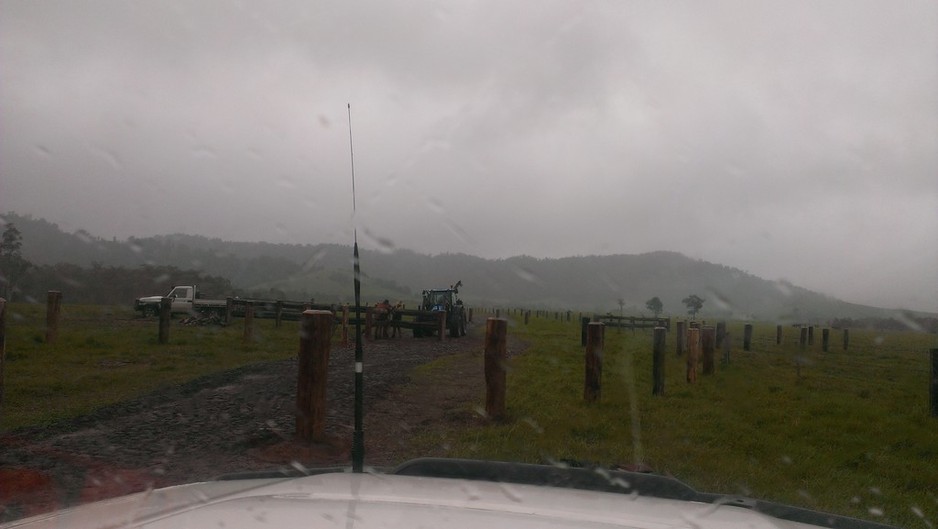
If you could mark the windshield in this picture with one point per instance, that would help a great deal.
(757, 179)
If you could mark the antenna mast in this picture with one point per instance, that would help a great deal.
(358, 436)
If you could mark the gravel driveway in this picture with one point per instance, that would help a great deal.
(232, 421)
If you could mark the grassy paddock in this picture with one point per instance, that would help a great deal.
(847, 432)
(105, 355)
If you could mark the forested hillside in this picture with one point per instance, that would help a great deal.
(324, 272)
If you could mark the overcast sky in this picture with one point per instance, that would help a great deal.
(793, 140)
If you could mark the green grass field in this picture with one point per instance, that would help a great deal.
(105, 355)
(846, 432)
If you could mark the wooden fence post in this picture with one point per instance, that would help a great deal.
(657, 366)
(166, 312)
(721, 334)
(527, 316)
(693, 353)
(592, 387)
(496, 354)
(681, 337)
(778, 335)
(726, 349)
(825, 339)
(248, 322)
(53, 310)
(810, 334)
(933, 387)
(345, 325)
(584, 322)
(803, 338)
(747, 337)
(846, 338)
(313, 368)
(707, 342)
(3, 346)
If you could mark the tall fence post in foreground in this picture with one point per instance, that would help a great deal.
(825, 339)
(747, 337)
(53, 309)
(496, 354)
(846, 338)
(803, 338)
(693, 353)
(584, 323)
(933, 388)
(681, 338)
(707, 342)
(166, 312)
(810, 334)
(778, 335)
(313, 365)
(657, 366)
(248, 322)
(592, 387)
(3, 346)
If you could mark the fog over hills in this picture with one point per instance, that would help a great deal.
(323, 271)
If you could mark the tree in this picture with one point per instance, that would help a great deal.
(694, 304)
(654, 304)
(12, 264)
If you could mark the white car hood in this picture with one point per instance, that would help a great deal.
(150, 299)
(376, 500)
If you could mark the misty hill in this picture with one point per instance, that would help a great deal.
(323, 271)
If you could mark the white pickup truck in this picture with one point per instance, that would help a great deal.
(185, 300)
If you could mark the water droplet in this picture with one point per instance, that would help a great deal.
(526, 275)
(204, 151)
(511, 494)
(533, 424)
(299, 466)
(435, 206)
(384, 245)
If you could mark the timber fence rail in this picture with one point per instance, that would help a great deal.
(633, 322)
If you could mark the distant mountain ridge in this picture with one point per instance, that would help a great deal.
(323, 271)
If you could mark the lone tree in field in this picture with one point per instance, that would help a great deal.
(694, 304)
(12, 264)
(655, 305)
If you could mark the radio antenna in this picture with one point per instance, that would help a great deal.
(358, 436)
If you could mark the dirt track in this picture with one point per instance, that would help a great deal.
(235, 421)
